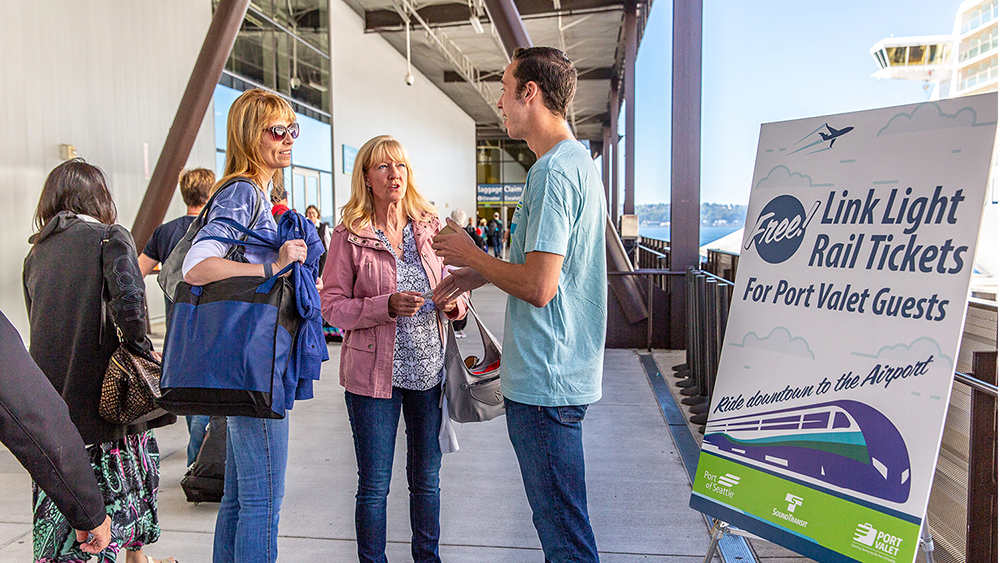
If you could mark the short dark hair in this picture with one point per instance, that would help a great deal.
(552, 71)
(78, 187)
(196, 185)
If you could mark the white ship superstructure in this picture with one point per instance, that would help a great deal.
(963, 63)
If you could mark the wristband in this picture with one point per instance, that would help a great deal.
(268, 270)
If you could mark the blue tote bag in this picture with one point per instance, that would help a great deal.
(228, 346)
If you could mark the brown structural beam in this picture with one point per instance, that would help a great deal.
(685, 161)
(190, 113)
(981, 535)
(602, 73)
(509, 25)
(459, 12)
(631, 31)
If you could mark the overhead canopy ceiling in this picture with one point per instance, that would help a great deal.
(466, 65)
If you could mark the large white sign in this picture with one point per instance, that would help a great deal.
(840, 348)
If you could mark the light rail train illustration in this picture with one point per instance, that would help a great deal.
(844, 443)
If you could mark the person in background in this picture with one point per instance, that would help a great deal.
(392, 359)
(42, 437)
(196, 185)
(279, 200)
(473, 232)
(556, 281)
(82, 285)
(312, 213)
(459, 217)
(482, 232)
(495, 232)
(260, 131)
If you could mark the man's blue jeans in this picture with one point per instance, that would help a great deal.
(197, 426)
(548, 442)
(374, 423)
(246, 530)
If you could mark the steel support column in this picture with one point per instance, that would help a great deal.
(615, 107)
(606, 161)
(631, 51)
(510, 26)
(685, 162)
(190, 113)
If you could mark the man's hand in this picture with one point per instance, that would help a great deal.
(458, 282)
(454, 247)
(405, 303)
(99, 537)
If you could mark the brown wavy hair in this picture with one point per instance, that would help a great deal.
(79, 187)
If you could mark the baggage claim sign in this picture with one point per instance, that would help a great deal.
(840, 348)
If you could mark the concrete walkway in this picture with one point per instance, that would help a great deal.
(638, 488)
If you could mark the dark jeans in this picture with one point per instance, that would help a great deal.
(497, 244)
(548, 442)
(374, 423)
(197, 426)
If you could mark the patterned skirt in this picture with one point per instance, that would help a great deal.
(128, 474)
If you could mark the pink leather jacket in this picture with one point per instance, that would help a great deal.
(359, 277)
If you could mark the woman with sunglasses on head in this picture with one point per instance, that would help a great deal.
(260, 132)
(380, 267)
(84, 292)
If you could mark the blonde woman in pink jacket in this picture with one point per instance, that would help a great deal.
(379, 268)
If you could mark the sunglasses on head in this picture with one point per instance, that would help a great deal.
(278, 132)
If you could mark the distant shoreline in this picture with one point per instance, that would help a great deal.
(705, 235)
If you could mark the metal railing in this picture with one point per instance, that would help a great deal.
(723, 264)
(654, 278)
(708, 299)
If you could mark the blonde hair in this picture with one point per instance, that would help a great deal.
(254, 110)
(359, 211)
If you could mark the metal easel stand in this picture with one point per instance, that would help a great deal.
(927, 542)
(720, 530)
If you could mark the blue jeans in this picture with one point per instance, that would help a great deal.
(374, 423)
(246, 530)
(197, 425)
(548, 442)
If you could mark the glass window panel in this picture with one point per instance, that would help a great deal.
(897, 55)
(298, 194)
(312, 191)
(934, 54)
(326, 206)
(916, 55)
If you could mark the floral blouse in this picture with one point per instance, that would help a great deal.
(418, 359)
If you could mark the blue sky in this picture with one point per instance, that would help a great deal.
(765, 61)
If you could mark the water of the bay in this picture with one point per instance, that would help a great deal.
(706, 235)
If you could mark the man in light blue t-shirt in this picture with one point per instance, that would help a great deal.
(557, 306)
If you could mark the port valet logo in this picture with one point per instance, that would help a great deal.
(846, 315)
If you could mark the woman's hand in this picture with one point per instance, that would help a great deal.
(405, 303)
(294, 250)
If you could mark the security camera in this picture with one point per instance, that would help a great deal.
(409, 79)
(295, 82)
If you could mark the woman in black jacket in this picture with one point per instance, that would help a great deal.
(82, 286)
